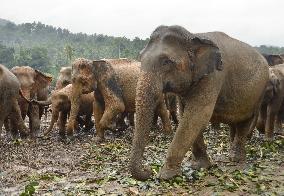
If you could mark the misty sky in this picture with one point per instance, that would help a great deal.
(253, 21)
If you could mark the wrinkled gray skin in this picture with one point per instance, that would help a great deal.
(217, 77)
(272, 106)
(9, 108)
(274, 59)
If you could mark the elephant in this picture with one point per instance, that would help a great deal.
(33, 82)
(114, 84)
(61, 105)
(272, 107)
(64, 78)
(273, 59)
(9, 108)
(218, 79)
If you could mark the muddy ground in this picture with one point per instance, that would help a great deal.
(51, 166)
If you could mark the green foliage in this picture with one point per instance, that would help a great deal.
(30, 189)
(48, 48)
(6, 55)
(270, 49)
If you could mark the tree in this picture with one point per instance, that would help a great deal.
(69, 52)
(6, 55)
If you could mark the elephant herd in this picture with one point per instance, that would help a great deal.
(209, 77)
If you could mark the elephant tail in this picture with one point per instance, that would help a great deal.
(42, 103)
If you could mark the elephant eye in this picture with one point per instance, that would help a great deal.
(167, 61)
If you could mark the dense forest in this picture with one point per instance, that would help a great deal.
(48, 48)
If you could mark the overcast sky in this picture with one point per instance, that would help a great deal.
(253, 21)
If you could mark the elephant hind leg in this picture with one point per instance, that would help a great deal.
(163, 113)
(278, 125)
(239, 134)
(16, 121)
(88, 122)
(200, 157)
(7, 125)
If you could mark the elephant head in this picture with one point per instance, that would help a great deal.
(64, 77)
(273, 59)
(174, 60)
(31, 80)
(272, 87)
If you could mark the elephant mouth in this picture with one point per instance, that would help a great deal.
(167, 87)
(66, 82)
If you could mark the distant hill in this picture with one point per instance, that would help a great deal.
(3, 22)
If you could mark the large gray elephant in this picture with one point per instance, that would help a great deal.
(217, 77)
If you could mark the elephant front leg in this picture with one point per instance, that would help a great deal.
(269, 124)
(62, 123)
(98, 110)
(197, 113)
(34, 120)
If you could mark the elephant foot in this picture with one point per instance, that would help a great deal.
(68, 138)
(167, 173)
(168, 130)
(139, 174)
(99, 140)
(23, 135)
(62, 135)
(200, 163)
(89, 127)
(268, 138)
(237, 155)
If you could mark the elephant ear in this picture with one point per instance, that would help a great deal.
(107, 79)
(42, 80)
(275, 83)
(205, 57)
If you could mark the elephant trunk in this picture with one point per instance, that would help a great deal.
(43, 103)
(146, 93)
(23, 96)
(75, 99)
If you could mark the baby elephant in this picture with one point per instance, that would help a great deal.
(272, 105)
(61, 105)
